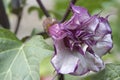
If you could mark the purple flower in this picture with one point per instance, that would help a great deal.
(80, 42)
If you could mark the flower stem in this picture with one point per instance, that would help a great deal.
(43, 8)
(19, 16)
(68, 11)
(60, 77)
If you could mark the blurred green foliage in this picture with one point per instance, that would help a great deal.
(116, 31)
(16, 6)
(91, 5)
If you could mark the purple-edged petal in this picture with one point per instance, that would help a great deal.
(80, 42)
(80, 13)
(80, 10)
(71, 24)
(68, 62)
(103, 45)
(56, 32)
(87, 63)
(103, 27)
(91, 24)
(72, 62)
(94, 62)
(64, 61)
(81, 67)
(105, 22)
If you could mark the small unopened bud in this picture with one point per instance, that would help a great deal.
(48, 22)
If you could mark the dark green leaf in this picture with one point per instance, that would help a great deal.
(34, 8)
(16, 6)
(111, 72)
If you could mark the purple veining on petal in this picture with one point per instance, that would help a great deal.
(76, 67)
(71, 23)
(56, 32)
(80, 10)
(80, 42)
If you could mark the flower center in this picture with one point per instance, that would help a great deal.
(75, 40)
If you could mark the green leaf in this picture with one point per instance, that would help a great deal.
(35, 31)
(22, 62)
(44, 67)
(8, 40)
(111, 72)
(38, 32)
(71, 77)
(34, 8)
(16, 6)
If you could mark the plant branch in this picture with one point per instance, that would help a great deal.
(19, 16)
(60, 77)
(43, 8)
(68, 11)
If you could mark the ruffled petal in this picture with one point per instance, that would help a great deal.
(82, 66)
(80, 43)
(103, 28)
(80, 10)
(105, 23)
(94, 62)
(91, 24)
(64, 61)
(103, 45)
(71, 24)
(72, 62)
(80, 13)
(56, 32)
(88, 62)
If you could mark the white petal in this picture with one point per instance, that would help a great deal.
(72, 62)
(64, 61)
(103, 45)
(92, 23)
(82, 65)
(94, 62)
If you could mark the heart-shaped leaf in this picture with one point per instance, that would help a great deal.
(21, 61)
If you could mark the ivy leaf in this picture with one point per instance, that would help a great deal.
(21, 62)
(111, 72)
(8, 40)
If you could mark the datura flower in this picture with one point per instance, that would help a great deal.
(80, 42)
